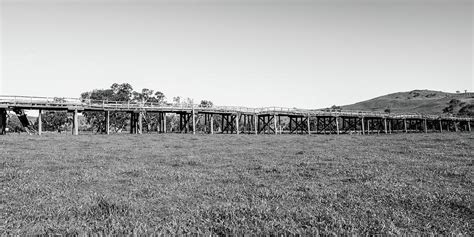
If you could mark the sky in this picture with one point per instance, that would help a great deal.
(288, 53)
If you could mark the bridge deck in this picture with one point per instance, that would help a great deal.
(73, 104)
(235, 119)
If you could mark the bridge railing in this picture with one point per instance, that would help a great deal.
(112, 105)
(18, 100)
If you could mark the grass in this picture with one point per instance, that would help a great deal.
(229, 184)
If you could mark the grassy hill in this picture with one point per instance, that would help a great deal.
(419, 101)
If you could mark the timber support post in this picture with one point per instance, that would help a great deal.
(337, 124)
(405, 125)
(211, 122)
(222, 123)
(440, 125)
(316, 124)
(275, 124)
(468, 125)
(164, 123)
(193, 116)
(132, 123)
(308, 125)
(140, 123)
(75, 125)
(162, 119)
(385, 125)
(107, 122)
(362, 125)
(40, 122)
(255, 123)
(425, 125)
(3, 121)
(237, 118)
(455, 123)
(390, 126)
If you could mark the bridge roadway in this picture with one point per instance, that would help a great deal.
(237, 119)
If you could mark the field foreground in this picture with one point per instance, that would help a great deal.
(223, 184)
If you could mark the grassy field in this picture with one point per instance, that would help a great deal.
(395, 184)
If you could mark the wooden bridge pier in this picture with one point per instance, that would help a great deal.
(375, 125)
(256, 122)
(193, 117)
(300, 123)
(207, 118)
(75, 122)
(211, 123)
(3, 121)
(40, 122)
(237, 127)
(107, 122)
(264, 124)
(132, 123)
(248, 123)
(350, 124)
(398, 125)
(446, 125)
(389, 122)
(326, 125)
(136, 122)
(184, 121)
(162, 122)
(230, 123)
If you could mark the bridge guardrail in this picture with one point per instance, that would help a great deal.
(105, 104)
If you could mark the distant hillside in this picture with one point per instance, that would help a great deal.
(419, 101)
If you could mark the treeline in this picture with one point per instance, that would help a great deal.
(462, 108)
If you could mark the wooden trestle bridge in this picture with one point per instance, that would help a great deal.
(235, 120)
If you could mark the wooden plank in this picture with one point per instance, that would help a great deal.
(308, 125)
(140, 123)
(211, 117)
(107, 122)
(40, 122)
(237, 129)
(75, 130)
(256, 124)
(275, 124)
(193, 117)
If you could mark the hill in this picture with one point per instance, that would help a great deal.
(419, 101)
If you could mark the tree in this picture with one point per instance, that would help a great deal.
(335, 107)
(467, 110)
(452, 105)
(122, 93)
(206, 104)
(149, 96)
(177, 100)
(118, 120)
(55, 121)
(159, 97)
